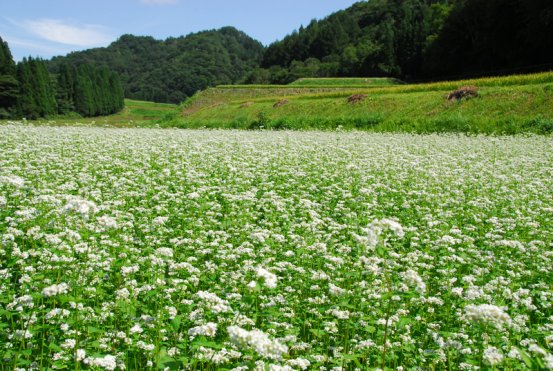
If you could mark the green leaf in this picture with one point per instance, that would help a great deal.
(525, 357)
(175, 323)
(54, 347)
(318, 333)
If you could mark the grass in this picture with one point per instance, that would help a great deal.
(135, 113)
(145, 249)
(350, 82)
(506, 105)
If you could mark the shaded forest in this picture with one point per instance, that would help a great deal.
(416, 40)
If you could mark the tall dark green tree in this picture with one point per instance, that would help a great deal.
(9, 87)
(36, 93)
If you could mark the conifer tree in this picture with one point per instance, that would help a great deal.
(9, 87)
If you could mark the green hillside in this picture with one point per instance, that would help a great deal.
(504, 105)
(173, 69)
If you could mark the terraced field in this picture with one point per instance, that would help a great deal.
(504, 105)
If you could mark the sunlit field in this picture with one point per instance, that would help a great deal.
(210, 250)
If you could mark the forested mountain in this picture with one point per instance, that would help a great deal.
(415, 39)
(371, 38)
(171, 70)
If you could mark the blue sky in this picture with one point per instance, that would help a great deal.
(46, 28)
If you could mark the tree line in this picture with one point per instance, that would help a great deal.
(416, 40)
(28, 90)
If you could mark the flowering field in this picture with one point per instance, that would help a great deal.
(202, 250)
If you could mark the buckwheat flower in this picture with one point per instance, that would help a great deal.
(165, 252)
(172, 311)
(12, 180)
(193, 196)
(126, 271)
(80, 206)
(107, 222)
(3, 201)
(173, 352)
(208, 330)
(492, 356)
(413, 279)
(548, 360)
(215, 303)
(258, 341)
(160, 220)
(301, 363)
(487, 313)
(269, 279)
(393, 226)
(335, 290)
(25, 301)
(108, 362)
(123, 294)
(54, 290)
(80, 355)
(136, 329)
(68, 344)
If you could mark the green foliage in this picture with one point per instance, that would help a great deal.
(172, 70)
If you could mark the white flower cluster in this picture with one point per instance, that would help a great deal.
(12, 180)
(25, 301)
(492, 356)
(489, 314)
(413, 279)
(209, 330)
(214, 303)
(376, 229)
(55, 290)
(107, 222)
(108, 362)
(270, 279)
(80, 206)
(258, 341)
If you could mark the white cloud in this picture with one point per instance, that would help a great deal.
(64, 33)
(38, 47)
(159, 2)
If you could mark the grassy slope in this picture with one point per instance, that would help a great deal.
(135, 113)
(514, 104)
